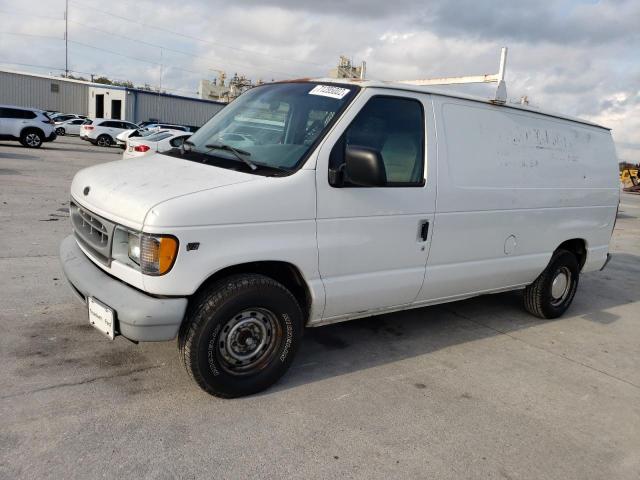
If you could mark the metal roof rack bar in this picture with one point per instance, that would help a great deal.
(501, 89)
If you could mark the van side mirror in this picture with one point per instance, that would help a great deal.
(363, 166)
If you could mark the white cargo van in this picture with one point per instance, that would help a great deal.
(351, 199)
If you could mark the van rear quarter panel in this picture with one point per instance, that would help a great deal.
(512, 186)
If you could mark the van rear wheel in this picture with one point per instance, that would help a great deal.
(551, 294)
(240, 335)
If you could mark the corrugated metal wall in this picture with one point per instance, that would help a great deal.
(170, 109)
(36, 92)
(72, 97)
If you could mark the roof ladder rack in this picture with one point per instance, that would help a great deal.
(501, 89)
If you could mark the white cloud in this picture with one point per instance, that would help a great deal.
(574, 56)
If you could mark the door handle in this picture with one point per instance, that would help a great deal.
(424, 230)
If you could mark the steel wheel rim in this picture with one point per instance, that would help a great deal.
(248, 341)
(32, 140)
(560, 286)
(103, 142)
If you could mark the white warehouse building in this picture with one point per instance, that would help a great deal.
(97, 100)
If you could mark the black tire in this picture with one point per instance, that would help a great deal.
(224, 322)
(104, 140)
(60, 131)
(31, 138)
(544, 299)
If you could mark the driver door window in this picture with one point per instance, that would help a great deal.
(394, 127)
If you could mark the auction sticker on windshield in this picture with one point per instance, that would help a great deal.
(329, 91)
(101, 317)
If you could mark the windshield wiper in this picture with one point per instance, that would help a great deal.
(187, 147)
(239, 154)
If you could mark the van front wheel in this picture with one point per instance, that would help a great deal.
(240, 335)
(552, 292)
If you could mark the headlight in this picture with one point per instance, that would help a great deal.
(154, 253)
(134, 247)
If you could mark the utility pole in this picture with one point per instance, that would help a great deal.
(159, 87)
(66, 38)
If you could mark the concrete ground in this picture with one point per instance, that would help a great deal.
(474, 389)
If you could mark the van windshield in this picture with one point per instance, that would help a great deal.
(274, 126)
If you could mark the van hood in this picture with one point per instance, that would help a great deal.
(124, 191)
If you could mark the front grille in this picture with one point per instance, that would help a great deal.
(92, 232)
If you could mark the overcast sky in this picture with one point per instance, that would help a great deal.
(580, 57)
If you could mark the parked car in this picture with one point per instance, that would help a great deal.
(236, 250)
(157, 142)
(31, 127)
(150, 128)
(70, 127)
(238, 140)
(121, 138)
(102, 131)
(63, 117)
(145, 123)
(166, 126)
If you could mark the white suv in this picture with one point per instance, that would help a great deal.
(103, 132)
(31, 127)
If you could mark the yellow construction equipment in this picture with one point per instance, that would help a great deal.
(629, 177)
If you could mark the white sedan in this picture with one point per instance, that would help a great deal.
(157, 142)
(121, 139)
(69, 127)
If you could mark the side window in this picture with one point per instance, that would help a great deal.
(15, 113)
(176, 142)
(395, 128)
(158, 136)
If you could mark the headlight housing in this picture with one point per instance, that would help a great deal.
(157, 253)
(153, 254)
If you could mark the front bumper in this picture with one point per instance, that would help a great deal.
(139, 317)
(51, 137)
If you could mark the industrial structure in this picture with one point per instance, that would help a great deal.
(48, 92)
(347, 69)
(220, 90)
